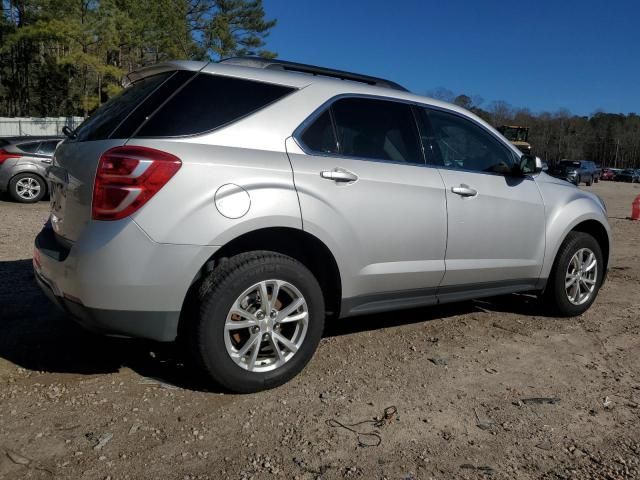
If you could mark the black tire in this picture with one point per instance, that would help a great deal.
(596, 179)
(555, 294)
(590, 182)
(217, 294)
(15, 183)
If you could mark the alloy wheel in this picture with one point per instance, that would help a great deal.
(28, 188)
(266, 325)
(581, 276)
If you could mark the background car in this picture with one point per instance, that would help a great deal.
(607, 174)
(628, 175)
(576, 171)
(23, 163)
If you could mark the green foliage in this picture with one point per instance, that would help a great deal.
(66, 57)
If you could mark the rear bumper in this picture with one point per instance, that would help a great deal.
(115, 280)
(160, 326)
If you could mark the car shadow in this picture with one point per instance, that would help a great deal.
(37, 336)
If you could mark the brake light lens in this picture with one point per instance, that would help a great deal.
(4, 155)
(127, 178)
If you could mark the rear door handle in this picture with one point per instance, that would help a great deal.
(46, 160)
(464, 191)
(339, 175)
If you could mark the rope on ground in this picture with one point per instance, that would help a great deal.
(371, 438)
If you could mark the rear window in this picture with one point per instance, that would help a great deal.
(145, 109)
(208, 102)
(30, 147)
(105, 119)
(47, 148)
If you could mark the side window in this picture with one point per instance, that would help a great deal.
(47, 148)
(460, 143)
(208, 102)
(377, 129)
(320, 136)
(30, 147)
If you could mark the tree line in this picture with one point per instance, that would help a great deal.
(609, 139)
(66, 57)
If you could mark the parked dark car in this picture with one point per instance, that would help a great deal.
(576, 171)
(628, 175)
(23, 163)
(607, 174)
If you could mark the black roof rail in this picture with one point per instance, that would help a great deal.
(273, 64)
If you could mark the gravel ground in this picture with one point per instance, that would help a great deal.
(74, 405)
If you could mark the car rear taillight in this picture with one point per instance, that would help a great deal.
(4, 155)
(127, 178)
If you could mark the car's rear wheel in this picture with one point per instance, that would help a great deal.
(590, 182)
(27, 188)
(576, 275)
(260, 320)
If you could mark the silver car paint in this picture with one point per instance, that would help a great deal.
(27, 162)
(389, 226)
(389, 231)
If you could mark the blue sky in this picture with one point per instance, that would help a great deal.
(542, 54)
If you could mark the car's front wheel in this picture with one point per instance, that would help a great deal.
(260, 320)
(576, 275)
(27, 188)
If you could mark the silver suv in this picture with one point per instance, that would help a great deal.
(236, 205)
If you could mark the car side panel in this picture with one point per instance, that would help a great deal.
(565, 208)
(13, 167)
(185, 212)
(387, 229)
(7, 170)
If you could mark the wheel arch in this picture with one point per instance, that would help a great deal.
(296, 243)
(597, 231)
(593, 227)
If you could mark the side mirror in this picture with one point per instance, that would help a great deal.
(529, 165)
(68, 132)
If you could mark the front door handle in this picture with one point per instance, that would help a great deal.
(464, 191)
(339, 175)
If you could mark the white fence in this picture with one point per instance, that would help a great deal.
(31, 126)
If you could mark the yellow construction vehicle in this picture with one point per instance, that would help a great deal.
(517, 135)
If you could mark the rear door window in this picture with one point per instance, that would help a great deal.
(208, 102)
(29, 147)
(377, 129)
(105, 119)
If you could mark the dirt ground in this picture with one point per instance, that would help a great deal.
(75, 405)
